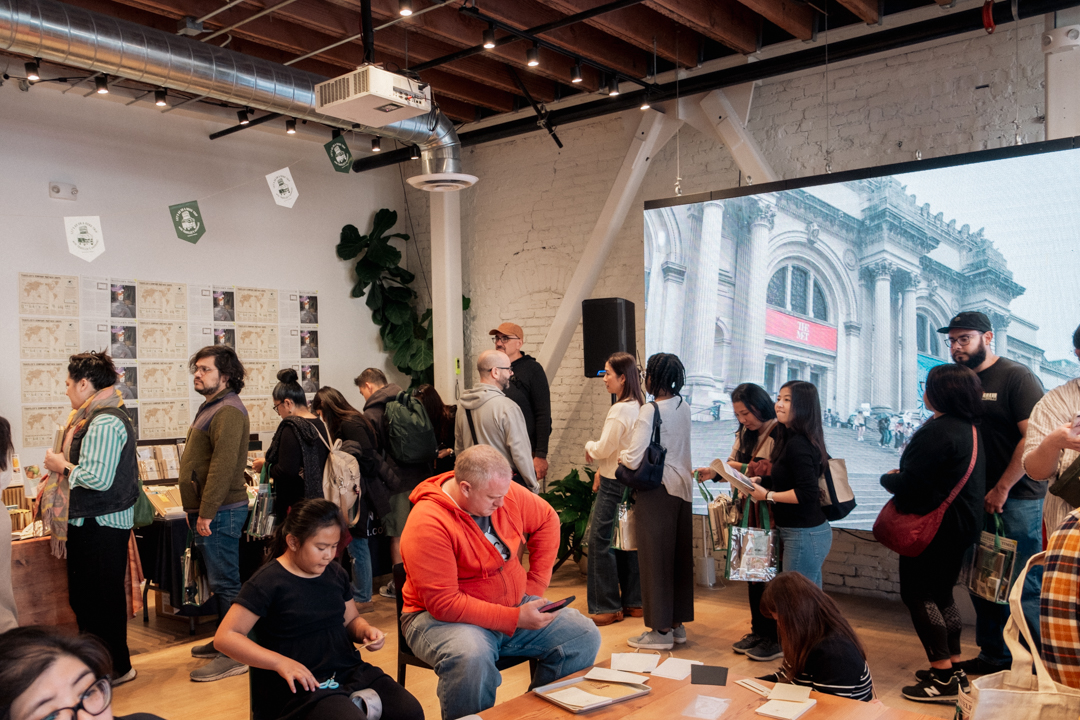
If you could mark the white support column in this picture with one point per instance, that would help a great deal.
(751, 288)
(447, 323)
(909, 361)
(1061, 45)
(883, 344)
(700, 321)
(652, 134)
(715, 114)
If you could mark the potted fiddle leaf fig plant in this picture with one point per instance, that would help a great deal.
(572, 498)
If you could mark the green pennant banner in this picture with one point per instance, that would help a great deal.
(188, 221)
(338, 152)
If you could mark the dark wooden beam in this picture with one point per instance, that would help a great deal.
(724, 21)
(792, 16)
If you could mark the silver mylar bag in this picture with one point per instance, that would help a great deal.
(622, 534)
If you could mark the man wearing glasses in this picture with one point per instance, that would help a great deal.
(486, 416)
(1010, 392)
(529, 389)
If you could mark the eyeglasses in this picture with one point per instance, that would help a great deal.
(201, 370)
(94, 701)
(961, 340)
(504, 368)
(504, 338)
(277, 405)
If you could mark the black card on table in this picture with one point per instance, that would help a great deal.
(708, 675)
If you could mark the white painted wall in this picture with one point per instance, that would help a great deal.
(130, 164)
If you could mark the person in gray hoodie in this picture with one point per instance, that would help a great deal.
(486, 416)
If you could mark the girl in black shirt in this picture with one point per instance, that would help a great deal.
(304, 664)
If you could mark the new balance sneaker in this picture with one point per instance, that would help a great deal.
(749, 641)
(679, 634)
(978, 666)
(219, 668)
(388, 590)
(205, 651)
(765, 651)
(965, 685)
(652, 640)
(934, 690)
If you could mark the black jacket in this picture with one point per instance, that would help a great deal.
(529, 389)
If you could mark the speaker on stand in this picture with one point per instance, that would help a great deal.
(607, 326)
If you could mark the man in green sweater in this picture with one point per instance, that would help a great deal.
(212, 486)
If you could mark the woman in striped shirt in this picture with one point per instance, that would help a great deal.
(821, 650)
(89, 503)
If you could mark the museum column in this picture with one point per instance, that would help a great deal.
(909, 362)
(1001, 334)
(699, 340)
(753, 273)
(883, 344)
(674, 291)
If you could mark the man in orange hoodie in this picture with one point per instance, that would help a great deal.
(468, 600)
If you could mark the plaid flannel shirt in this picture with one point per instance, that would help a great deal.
(1060, 604)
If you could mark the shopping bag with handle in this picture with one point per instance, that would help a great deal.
(752, 552)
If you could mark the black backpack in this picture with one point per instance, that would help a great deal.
(410, 436)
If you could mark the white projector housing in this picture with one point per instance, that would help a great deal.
(372, 96)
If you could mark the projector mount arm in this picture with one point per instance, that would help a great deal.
(540, 110)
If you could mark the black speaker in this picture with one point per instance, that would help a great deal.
(607, 326)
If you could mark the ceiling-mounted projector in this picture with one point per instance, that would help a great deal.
(372, 96)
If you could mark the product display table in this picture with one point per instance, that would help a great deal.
(40, 584)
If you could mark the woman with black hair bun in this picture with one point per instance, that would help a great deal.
(299, 449)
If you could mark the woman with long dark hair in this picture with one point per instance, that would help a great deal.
(303, 659)
(754, 440)
(614, 583)
(8, 611)
(792, 491)
(821, 650)
(442, 418)
(298, 452)
(938, 456)
(663, 523)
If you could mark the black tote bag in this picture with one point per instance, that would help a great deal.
(649, 475)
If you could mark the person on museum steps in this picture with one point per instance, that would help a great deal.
(614, 582)
(938, 457)
(48, 676)
(299, 449)
(757, 434)
(212, 486)
(663, 524)
(1010, 392)
(821, 649)
(790, 484)
(304, 664)
(529, 388)
(8, 611)
(88, 503)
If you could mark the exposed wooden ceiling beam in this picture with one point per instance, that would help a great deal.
(724, 21)
(867, 10)
(639, 26)
(790, 15)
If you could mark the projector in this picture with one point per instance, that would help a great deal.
(372, 96)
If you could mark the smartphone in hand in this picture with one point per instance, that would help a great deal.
(558, 604)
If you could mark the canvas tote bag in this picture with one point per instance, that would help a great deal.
(1016, 694)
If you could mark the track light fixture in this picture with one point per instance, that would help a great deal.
(242, 116)
(532, 55)
(489, 37)
(603, 89)
(405, 7)
(415, 154)
(32, 71)
(376, 144)
(290, 126)
(575, 73)
(613, 87)
(159, 97)
(101, 82)
(645, 104)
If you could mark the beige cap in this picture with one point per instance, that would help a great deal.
(509, 329)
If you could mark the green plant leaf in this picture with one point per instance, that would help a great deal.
(465, 303)
(358, 289)
(366, 270)
(399, 293)
(383, 254)
(352, 243)
(375, 299)
(424, 357)
(384, 220)
(400, 274)
(397, 312)
(396, 335)
(404, 354)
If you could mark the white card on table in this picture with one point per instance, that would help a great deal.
(674, 668)
(791, 693)
(634, 662)
(605, 675)
(577, 697)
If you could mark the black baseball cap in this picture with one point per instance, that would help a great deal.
(968, 321)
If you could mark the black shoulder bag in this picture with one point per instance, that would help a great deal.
(649, 475)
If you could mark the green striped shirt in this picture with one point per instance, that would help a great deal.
(98, 458)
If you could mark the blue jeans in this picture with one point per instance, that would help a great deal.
(361, 569)
(221, 554)
(1023, 523)
(464, 655)
(613, 582)
(804, 550)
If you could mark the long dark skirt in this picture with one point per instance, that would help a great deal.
(665, 540)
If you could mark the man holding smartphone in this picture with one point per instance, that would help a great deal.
(467, 599)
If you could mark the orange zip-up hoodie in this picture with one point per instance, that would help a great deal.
(457, 575)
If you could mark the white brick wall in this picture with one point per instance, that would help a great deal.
(526, 222)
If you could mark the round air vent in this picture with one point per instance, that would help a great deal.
(443, 182)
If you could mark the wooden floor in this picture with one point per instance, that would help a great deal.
(162, 654)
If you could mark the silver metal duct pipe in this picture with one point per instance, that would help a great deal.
(90, 41)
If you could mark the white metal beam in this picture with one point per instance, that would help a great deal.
(1061, 45)
(715, 113)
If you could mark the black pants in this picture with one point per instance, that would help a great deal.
(398, 704)
(926, 587)
(759, 624)
(96, 564)
(665, 558)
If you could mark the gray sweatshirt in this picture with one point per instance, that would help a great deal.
(500, 424)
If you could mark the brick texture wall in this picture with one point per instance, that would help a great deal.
(526, 222)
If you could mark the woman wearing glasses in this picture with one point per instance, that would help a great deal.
(46, 676)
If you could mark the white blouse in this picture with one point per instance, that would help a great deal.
(674, 436)
(615, 437)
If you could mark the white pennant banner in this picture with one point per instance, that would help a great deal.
(84, 237)
(282, 187)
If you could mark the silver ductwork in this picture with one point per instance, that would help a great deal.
(90, 41)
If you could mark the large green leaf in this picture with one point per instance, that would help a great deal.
(400, 274)
(465, 303)
(383, 254)
(395, 335)
(404, 354)
(383, 221)
(424, 357)
(397, 312)
(375, 298)
(352, 243)
(358, 289)
(366, 270)
(399, 293)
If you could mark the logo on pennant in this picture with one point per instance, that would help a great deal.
(340, 156)
(84, 236)
(188, 221)
(283, 188)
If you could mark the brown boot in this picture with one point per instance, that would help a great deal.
(607, 618)
(633, 612)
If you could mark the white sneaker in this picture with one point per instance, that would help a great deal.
(125, 678)
(653, 640)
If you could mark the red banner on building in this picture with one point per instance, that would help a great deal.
(787, 327)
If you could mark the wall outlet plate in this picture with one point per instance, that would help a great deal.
(63, 191)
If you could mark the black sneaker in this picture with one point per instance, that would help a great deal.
(934, 691)
(764, 651)
(978, 666)
(748, 642)
(965, 685)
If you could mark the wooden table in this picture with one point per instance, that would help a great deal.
(669, 698)
(40, 584)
